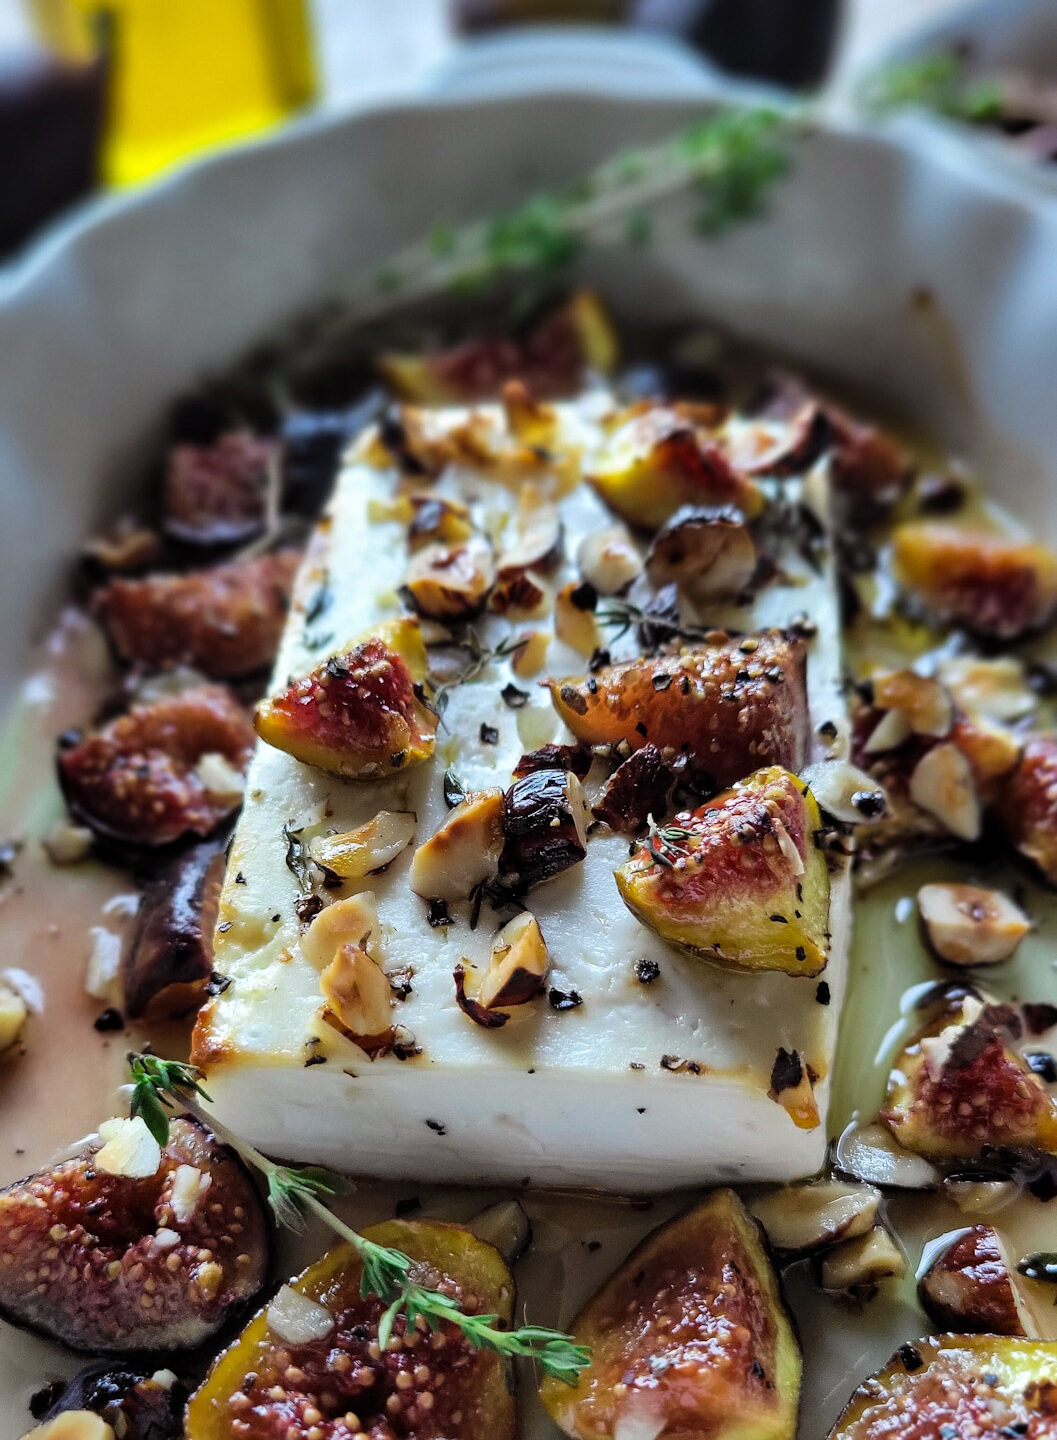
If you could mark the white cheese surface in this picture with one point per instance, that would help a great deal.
(556, 1097)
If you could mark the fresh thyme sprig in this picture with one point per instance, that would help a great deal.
(160, 1085)
(618, 615)
(727, 162)
(934, 82)
(480, 655)
(665, 844)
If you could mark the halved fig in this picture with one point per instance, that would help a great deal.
(637, 789)
(706, 550)
(959, 1088)
(136, 1405)
(966, 925)
(359, 714)
(993, 586)
(739, 881)
(218, 494)
(955, 1385)
(136, 780)
(729, 707)
(689, 1338)
(452, 582)
(656, 458)
(1027, 805)
(545, 827)
(422, 1386)
(869, 469)
(224, 621)
(112, 1263)
(799, 1219)
(168, 964)
(550, 359)
(971, 1287)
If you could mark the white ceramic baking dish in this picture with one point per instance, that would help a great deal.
(930, 289)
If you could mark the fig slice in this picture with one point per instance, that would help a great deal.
(689, 1338)
(957, 1385)
(727, 708)
(225, 621)
(168, 964)
(136, 780)
(994, 586)
(112, 1264)
(359, 714)
(1027, 807)
(971, 1287)
(136, 1404)
(658, 458)
(739, 881)
(421, 1387)
(218, 494)
(958, 1088)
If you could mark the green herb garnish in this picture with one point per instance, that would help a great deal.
(479, 656)
(160, 1085)
(935, 82)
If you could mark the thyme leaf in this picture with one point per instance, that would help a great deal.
(294, 1194)
(933, 82)
(479, 656)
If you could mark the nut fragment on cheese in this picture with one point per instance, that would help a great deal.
(600, 1079)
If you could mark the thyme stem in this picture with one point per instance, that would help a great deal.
(158, 1085)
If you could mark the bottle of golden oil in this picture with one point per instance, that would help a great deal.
(186, 74)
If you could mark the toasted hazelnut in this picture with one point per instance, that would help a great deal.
(219, 777)
(529, 420)
(975, 1197)
(889, 733)
(575, 626)
(870, 1153)
(608, 560)
(128, 1149)
(856, 1267)
(942, 784)
(298, 1319)
(518, 966)
(72, 1425)
(13, 1015)
(451, 582)
(531, 654)
(966, 925)
(802, 1218)
(353, 921)
(435, 519)
(995, 689)
(926, 704)
(368, 848)
(463, 852)
(708, 551)
(358, 992)
(67, 844)
(538, 541)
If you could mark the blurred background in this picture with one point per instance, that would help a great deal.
(104, 93)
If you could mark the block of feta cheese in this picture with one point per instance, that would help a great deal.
(623, 1063)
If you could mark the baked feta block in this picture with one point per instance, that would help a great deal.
(528, 1026)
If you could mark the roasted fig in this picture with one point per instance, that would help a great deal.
(707, 551)
(358, 714)
(970, 1287)
(161, 771)
(637, 790)
(954, 1385)
(225, 621)
(139, 1260)
(286, 1378)
(218, 494)
(739, 881)
(545, 828)
(1027, 805)
(993, 586)
(689, 1338)
(168, 964)
(959, 1088)
(656, 458)
(135, 1405)
(728, 707)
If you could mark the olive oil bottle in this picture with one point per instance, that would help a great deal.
(185, 74)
